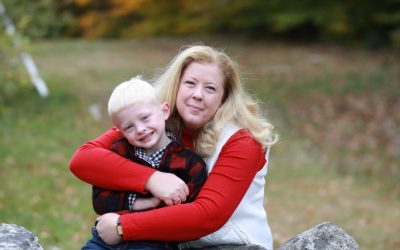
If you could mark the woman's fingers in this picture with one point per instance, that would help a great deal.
(167, 187)
(178, 199)
(106, 225)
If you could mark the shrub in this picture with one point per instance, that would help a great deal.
(13, 76)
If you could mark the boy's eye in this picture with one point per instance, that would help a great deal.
(128, 127)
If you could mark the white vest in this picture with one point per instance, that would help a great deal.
(248, 223)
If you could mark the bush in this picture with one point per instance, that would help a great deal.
(39, 18)
(13, 76)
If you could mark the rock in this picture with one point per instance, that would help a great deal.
(235, 247)
(326, 236)
(13, 237)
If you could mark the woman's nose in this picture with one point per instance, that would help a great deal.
(198, 93)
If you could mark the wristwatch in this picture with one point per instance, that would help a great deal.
(119, 228)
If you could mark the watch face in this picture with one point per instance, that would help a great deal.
(119, 230)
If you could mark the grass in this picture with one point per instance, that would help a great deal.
(336, 111)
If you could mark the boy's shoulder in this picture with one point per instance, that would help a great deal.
(121, 146)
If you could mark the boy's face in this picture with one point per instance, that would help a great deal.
(143, 124)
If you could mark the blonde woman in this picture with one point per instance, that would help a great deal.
(213, 115)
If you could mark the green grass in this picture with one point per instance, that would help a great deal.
(336, 111)
(38, 137)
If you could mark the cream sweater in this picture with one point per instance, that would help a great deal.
(248, 224)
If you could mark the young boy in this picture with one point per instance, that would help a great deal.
(140, 117)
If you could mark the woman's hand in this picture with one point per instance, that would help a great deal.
(107, 228)
(167, 187)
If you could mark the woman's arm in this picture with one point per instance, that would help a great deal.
(239, 161)
(95, 164)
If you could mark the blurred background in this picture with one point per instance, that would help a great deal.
(327, 73)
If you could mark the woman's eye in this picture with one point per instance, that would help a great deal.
(211, 88)
(190, 83)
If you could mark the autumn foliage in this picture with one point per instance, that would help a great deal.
(369, 23)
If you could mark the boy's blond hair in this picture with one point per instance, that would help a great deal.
(130, 92)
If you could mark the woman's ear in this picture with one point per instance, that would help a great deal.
(166, 110)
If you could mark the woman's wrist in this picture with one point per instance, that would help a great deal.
(107, 228)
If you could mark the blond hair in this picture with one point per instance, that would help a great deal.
(130, 92)
(236, 106)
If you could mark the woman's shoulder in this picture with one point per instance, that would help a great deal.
(231, 132)
(243, 136)
(242, 133)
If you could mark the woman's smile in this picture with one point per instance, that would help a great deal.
(195, 108)
(200, 93)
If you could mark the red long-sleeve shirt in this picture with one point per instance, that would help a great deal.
(240, 159)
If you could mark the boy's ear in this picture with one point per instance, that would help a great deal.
(166, 110)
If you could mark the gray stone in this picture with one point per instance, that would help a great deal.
(235, 247)
(325, 236)
(13, 237)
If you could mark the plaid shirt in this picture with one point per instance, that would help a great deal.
(175, 159)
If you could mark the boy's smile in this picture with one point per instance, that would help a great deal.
(143, 125)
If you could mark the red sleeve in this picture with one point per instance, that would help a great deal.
(95, 164)
(240, 159)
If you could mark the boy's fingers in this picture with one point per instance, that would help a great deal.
(168, 202)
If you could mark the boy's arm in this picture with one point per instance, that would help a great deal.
(197, 176)
(142, 204)
(106, 201)
(188, 166)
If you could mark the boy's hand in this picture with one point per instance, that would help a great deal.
(107, 228)
(167, 187)
(154, 202)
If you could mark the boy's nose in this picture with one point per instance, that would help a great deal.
(141, 128)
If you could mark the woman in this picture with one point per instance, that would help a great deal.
(213, 115)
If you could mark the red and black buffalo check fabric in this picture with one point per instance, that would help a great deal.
(175, 159)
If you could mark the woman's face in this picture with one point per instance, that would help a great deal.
(200, 93)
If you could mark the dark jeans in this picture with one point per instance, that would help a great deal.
(96, 243)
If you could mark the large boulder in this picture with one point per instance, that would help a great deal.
(13, 237)
(235, 247)
(326, 236)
